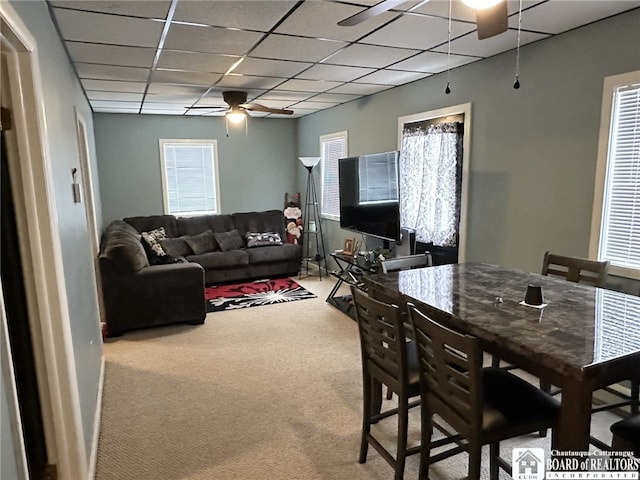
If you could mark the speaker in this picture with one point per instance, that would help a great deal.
(407, 244)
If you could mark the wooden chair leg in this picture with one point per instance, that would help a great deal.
(494, 468)
(403, 428)
(475, 457)
(425, 446)
(367, 406)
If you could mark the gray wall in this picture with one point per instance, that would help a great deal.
(62, 93)
(533, 150)
(255, 169)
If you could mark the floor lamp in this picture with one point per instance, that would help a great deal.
(312, 226)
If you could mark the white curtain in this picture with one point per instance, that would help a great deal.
(429, 183)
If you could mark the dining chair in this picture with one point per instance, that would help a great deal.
(387, 358)
(626, 435)
(483, 405)
(575, 269)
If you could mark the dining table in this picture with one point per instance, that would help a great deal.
(582, 338)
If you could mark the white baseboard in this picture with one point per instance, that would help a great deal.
(96, 425)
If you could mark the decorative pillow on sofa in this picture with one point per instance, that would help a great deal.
(176, 247)
(151, 241)
(202, 243)
(262, 239)
(229, 240)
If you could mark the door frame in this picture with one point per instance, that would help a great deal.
(41, 251)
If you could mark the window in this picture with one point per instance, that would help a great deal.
(615, 230)
(378, 177)
(332, 148)
(189, 177)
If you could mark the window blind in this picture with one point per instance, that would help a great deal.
(190, 181)
(332, 149)
(617, 327)
(378, 179)
(620, 230)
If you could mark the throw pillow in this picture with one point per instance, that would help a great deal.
(229, 240)
(262, 239)
(203, 242)
(176, 247)
(151, 241)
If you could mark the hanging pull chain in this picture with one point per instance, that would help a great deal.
(516, 84)
(448, 89)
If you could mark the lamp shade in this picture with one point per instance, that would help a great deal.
(309, 162)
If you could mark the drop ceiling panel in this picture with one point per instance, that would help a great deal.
(272, 68)
(314, 105)
(284, 96)
(179, 77)
(307, 85)
(333, 97)
(111, 54)
(191, 38)
(115, 96)
(109, 72)
(359, 89)
(111, 86)
(184, 100)
(247, 14)
(102, 28)
(335, 73)
(167, 89)
(244, 82)
(417, 32)
(115, 104)
(469, 44)
(392, 77)
(196, 62)
(432, 62)
(460, 11)
(139, 8)
(369, 56)
(557, 16)
(282, 47)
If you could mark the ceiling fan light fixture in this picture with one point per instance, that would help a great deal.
(481, 4)
(235, 115)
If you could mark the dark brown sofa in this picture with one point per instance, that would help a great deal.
(140, 294)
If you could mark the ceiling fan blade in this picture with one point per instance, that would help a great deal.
(256, 107)
(213, 109)
(492, 21)
(370, 12)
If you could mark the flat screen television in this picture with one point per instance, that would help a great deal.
(369, 195)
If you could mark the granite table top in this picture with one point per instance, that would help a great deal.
(583, 331)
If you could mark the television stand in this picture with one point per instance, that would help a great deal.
(351, 273)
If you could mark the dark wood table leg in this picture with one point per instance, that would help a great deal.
(575, 418)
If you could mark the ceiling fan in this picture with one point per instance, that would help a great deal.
(239, 108)
(491, 15)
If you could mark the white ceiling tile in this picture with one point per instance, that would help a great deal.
(196, 62)
(138, 8)
(304, 21)
(248, 81)
(334, 73)
(168, 89)
(249, 14)
(470, 45)
(102, 28)
(359, 88)
(556, 16)
(161, 111)
(179, 77)
(284, 96)
(392, 77)
(111, 54)
(307, 85)
(460, 11)
(113, 86)
(113, 109)
(282, 47)
(184, 100)
(191, 38)
(115, 104)
(432, 62)
(310, 104)
(120, 96)
(110, 72)
(417, 32)
(369, 56)
(271, 68)
(332, 97)
(273, 103)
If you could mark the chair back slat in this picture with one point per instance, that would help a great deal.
(407, 262)
(382, 339)
(451, 366)
(575, 269)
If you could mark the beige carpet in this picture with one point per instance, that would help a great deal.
(265, 393)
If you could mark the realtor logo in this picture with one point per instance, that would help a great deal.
(528, 463)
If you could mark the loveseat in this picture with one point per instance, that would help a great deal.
(154, 268)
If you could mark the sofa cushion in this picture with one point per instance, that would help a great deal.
(176, 247)
(201, 223)
(151, 222)
(282, 253)
(229, 240)
(122, 246)
(267, 221)
(219, 260)
(202, 243)
(266, 239)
